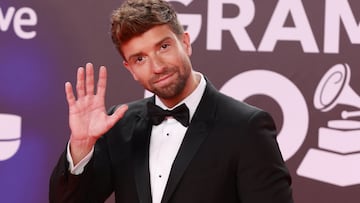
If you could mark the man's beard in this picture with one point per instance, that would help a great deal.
(172, 90)
(176, 87)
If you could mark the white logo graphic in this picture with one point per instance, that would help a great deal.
(21, 20)
(337, 14)
(10, 133)
(340, 163)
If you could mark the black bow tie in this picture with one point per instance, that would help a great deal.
(157, 114)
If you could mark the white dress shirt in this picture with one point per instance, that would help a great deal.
(165, 142)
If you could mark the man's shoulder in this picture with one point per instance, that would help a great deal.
(134, 106)
(234, 107)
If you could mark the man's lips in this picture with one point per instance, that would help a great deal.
(163, 80)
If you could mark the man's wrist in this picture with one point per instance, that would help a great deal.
(80, 148)
(79, 167)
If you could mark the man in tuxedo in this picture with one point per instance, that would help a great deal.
(186, 144)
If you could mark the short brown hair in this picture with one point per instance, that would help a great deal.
(134, 17)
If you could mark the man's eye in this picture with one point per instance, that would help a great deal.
(139, 59)
(164, 46)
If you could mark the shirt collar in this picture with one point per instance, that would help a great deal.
(192, 101)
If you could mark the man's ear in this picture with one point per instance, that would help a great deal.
(128, 67)
(186, 43)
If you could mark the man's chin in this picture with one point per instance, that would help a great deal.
(167, 94)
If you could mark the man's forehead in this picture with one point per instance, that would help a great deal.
(149, 39)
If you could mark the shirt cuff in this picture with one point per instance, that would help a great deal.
(79, 168)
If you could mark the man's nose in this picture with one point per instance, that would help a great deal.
(157, 63)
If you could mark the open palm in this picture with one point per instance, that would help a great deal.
(88, 118)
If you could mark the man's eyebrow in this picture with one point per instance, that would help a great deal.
(156, 45)
(162, 41)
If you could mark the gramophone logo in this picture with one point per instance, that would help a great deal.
(10, 133)
(337, 159)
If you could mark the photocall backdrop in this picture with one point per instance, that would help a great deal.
(297, 59)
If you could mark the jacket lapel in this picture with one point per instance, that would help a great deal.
(141, 157)
(194, 137)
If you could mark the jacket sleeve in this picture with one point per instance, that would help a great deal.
(262, 173)
(93, 185)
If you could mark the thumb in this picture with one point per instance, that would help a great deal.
(118, 114)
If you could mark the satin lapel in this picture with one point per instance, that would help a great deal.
(197, 132)
(191, 143)
(141, 159)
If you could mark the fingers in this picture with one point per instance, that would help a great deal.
(85, 83)
(80, 82)
(89, 79)
(69, 94)
(119, 113)
(101, 85)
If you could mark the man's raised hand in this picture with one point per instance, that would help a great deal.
(88, 118)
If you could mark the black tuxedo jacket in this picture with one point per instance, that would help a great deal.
(229, 155)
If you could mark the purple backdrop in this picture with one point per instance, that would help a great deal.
(299, 60)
